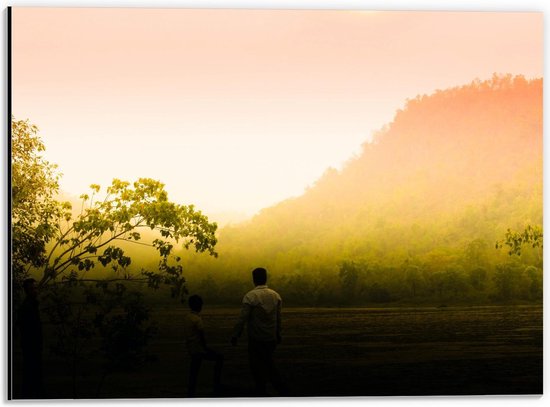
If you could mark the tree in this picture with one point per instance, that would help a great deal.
(48, 238)
(34, 210)
(454, 280)
(535, 276)
(349, 277)
(94, 236)
(515, 279)
(478, 277)
(97, 237)
(509, 281)
(476, 254)
(412, 276)
(530, 236)
(60, 247)
(83, 305)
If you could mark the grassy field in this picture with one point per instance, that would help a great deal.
(342, 352)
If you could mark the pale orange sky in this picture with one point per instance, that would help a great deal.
(236, 110)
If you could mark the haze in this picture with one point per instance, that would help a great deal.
(236, 110)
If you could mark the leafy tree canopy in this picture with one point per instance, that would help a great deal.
(62, 245)
(530, 236)
(34, 183)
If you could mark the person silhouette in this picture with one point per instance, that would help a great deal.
(30, 327)
(198, 350)
(261, 312)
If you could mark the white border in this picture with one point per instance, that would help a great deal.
(442, 5)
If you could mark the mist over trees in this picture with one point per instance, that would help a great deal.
(414, 219)
(421, 216)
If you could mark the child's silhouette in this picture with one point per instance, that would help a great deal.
(198, 350)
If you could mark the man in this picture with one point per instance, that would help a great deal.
(261, 312)
(30, 327)
(198, 350)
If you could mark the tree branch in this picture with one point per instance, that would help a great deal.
(70, 259)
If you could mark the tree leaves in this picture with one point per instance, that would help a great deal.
(34, 182)
(93, 235)
(530, 236)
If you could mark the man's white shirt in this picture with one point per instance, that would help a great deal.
(261, 312)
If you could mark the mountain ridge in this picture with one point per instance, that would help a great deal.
(453, 169)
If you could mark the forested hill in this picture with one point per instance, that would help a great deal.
(432, 193)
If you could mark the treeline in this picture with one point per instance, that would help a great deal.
(413, 219)
(357, 283)
(475, 272)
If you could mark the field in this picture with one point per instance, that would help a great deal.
(343, 352)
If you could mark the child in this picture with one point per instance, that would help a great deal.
(198, 350)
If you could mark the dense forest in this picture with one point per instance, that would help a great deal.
(414, 219)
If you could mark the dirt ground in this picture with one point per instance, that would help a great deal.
(340, 352)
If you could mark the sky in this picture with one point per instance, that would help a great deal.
(236, 110)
